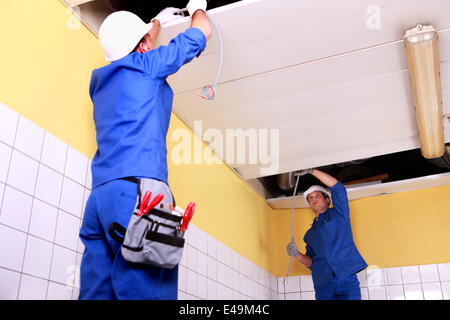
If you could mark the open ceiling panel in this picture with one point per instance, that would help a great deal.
(336, 90)
(149, 9)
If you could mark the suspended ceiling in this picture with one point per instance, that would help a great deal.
(330, 75)
(336, 90)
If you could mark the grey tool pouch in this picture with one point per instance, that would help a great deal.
(152, 239)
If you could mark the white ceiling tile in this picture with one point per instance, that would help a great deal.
(293, 45)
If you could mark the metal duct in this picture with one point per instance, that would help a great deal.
(286, 181)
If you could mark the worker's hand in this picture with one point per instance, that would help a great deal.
(304, 172)
(292, 249)
(168, 14)
(195, 5)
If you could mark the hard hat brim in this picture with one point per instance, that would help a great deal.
(315, 188)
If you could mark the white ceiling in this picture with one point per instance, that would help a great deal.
(336, 89)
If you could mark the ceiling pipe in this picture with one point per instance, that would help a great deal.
(286, 181)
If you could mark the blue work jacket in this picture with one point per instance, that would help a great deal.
(132, 107)
(329, 241)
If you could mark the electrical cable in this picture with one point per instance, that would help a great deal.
(209, 91)
(292, 233)
(206, 94)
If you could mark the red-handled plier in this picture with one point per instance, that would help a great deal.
(187, 216)
(146, 206)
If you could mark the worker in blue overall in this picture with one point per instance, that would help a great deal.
(132, 108)
(331, 253)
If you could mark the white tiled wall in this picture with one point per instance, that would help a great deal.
(210, 270)
(44, 184)
(423, 282)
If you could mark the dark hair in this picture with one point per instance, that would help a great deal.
(135, 48)
(142, 39)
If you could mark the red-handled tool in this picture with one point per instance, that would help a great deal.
(144, 203)
(153, 203)
(147, 205)
(187, 216)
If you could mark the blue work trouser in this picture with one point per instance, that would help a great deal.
(104, 274)
(344, 289)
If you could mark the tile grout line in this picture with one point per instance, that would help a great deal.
(26, 238)
(3, 195)
(57, 217)
(249, 278)
(224, 285)
(39, 164)
(35, 236)
(421, 283)
(31, 214)
(403, 284)
(10, 159)
(219, 282)
(41, 200)
(440, 282)
(48, 167)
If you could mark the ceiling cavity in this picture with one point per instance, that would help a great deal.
(147, 10)
(369, 171)
(93, 12)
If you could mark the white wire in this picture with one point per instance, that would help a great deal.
(292, 233)
(219, 35)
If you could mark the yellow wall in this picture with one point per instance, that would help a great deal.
(407, 228)
(45, 69)
(227, 208)
(45, 72)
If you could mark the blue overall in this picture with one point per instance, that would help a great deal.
(330, 245)
(132, 108)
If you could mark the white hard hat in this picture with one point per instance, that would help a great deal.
(316, 188)
(120, 33)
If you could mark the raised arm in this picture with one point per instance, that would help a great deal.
(154, 31)
(325, 178)
(197, 11)
(338, 191)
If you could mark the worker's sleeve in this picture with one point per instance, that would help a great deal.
(92, 84)
(166, 60)
(340, 200)
(309, 252)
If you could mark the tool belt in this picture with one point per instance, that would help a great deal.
(153, 238)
